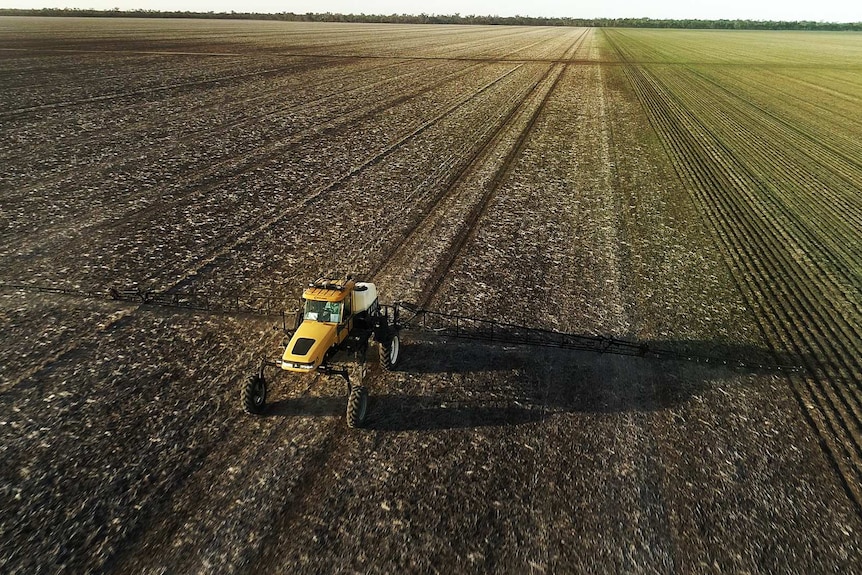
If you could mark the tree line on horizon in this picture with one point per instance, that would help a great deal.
(450, 19)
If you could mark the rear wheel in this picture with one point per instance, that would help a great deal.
(254, 394)
(389, 353)
(357, 406)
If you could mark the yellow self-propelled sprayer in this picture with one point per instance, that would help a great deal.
(331, 336)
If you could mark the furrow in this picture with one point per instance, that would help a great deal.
(771, 282)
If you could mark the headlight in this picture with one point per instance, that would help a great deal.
(293, 365)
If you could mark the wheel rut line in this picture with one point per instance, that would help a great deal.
(501, 174)
(192, 273)
(467, 232)
(214, 174)
(124, 553)
(143, 542)
(449, 189)
(106, 133)
(308, 486)
(326, 453)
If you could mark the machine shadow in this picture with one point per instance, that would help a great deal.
(459, 384)
(511, 385)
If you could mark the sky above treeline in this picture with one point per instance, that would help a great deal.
(788, 10)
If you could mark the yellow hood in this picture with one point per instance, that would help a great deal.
(308, 345)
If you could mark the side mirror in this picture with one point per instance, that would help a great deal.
(297, 319)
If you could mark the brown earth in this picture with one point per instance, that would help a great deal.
(522, 174)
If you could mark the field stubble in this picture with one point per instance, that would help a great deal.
(529, 178)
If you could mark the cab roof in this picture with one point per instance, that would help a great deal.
(323, 289)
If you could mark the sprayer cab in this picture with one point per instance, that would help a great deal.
(333, 311)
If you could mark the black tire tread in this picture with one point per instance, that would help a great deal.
(386, 356)
(249, 392)
(357, 406)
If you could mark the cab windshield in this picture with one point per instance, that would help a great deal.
(326, 311)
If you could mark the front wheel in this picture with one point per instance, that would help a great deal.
(254, 394)
(357, 406)
(389, 353)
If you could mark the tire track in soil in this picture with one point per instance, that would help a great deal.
(330, 436)
(419, 211)
(197, 493)
(96, 136)
(214, 174)
(332, 466)
(333, 433)
(190, 274)
(442, 257)
(772, 283)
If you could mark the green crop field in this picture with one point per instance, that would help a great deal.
(764, 130)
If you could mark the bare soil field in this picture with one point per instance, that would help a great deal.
(691, 191)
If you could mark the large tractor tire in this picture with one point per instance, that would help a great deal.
(390, 353)
(357, 406)
(254, 394)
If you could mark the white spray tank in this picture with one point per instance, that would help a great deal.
(364, 297)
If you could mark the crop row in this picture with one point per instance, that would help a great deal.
(814, 188)
(799, 300)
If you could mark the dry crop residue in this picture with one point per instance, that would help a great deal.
(595, 182)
